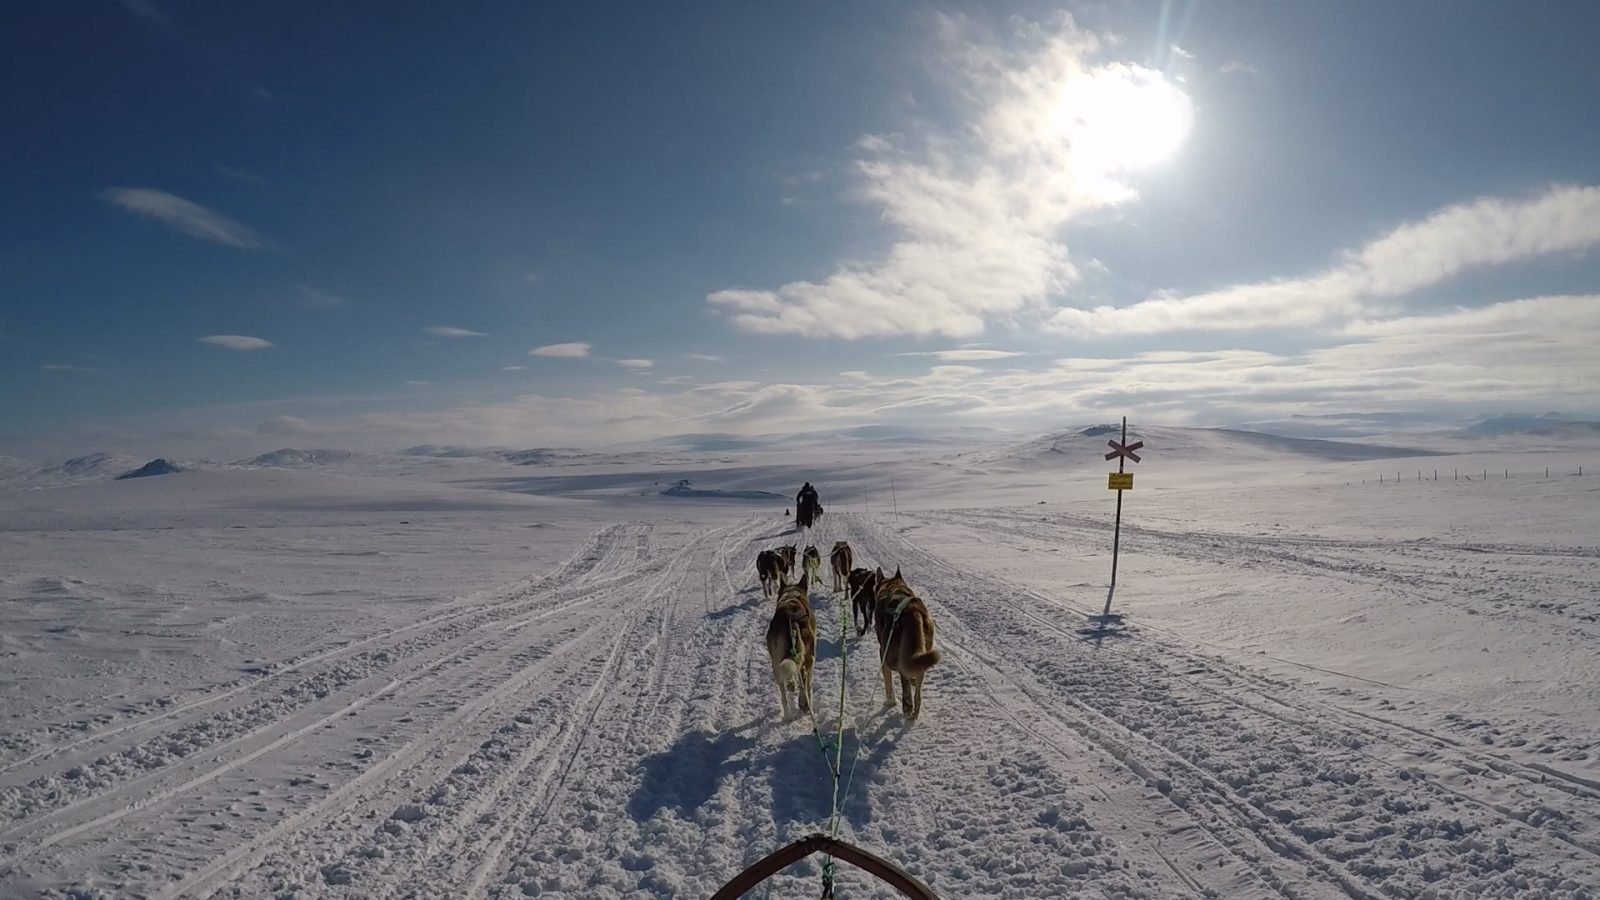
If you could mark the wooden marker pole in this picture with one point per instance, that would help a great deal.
(1119, 481)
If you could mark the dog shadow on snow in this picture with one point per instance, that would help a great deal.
(786, 756)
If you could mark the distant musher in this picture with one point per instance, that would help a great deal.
(806, 506)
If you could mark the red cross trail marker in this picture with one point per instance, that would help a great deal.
(1119, 450)
(1120, 481)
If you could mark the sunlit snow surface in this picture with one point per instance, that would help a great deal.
(419, 675)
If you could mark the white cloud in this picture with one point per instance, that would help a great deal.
(702, 357)
(450, 331)
(976, 213)
(236, 342)
(59, 367)
(563, 351)
(635, 363)
(190, 218)
(973, 355)
(1536, 353)
(1486, 232)
(238, 174)
(311, 298)
(513, 368)
(287, 425)
(148, 11)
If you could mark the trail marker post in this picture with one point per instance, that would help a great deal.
(1119, 481)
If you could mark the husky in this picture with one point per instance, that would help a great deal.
(840, 561)
(812, 562)
(905, 642)
(863, 597)
(768, 568)
(792, 644)
(786, 555)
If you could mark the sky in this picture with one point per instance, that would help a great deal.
(233, 227)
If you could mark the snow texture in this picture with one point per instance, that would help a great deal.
(460, 673)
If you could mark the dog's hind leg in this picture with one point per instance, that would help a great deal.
(803, 689)
(906, 708)
(779, 678)
(888, 686)
(916, 701)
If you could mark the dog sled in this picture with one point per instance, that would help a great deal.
(775, 862)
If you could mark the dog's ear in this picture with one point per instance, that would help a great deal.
(879, 573)
(897, 572)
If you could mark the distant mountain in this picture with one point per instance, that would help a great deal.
(1550, 424)
(1087, 446)
(152, 468)
(289, 457)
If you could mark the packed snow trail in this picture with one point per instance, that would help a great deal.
(612, 728)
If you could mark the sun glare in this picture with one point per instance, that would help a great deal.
(1119, 118)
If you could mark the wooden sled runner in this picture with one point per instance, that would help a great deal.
(775, 862)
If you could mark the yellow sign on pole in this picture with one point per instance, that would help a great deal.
(1120, 481)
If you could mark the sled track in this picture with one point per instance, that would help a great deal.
(1426, 571)
(476, 799)
(463, 656)
(51, 795)
(1128, 700)
(600, 547)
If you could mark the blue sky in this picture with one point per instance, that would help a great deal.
(234, 226)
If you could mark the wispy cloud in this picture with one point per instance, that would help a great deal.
(702, 357)
(1535, 353)
(450, 331)
(976, 210)
(236, 342)
(973, 355)
(513, 368)
(60, 367)
(418, 382)
(148, 11)
(287, 425)
(238, 174)
(312, 298)
(1487, 232)
(562, 351)
(635, 363)
(190, 218)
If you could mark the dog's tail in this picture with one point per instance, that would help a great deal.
(925, 659)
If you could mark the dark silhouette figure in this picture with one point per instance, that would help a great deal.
(806, 506)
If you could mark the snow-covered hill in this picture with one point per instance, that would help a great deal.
(1188, 446)
(271, 682)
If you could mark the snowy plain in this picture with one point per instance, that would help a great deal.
(449, 675)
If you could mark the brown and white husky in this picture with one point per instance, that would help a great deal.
(905, 642)
(792, 644)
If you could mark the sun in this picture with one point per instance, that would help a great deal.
(1121, 118)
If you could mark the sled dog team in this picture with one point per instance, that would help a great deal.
(886, 603)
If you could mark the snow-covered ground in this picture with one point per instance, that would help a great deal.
(434, 675)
